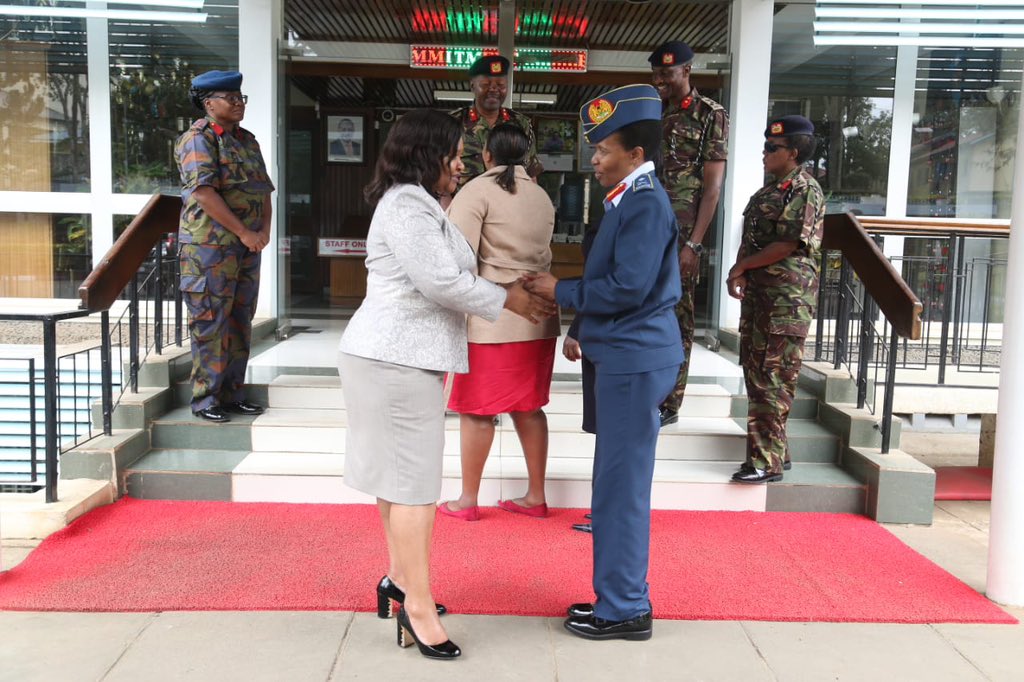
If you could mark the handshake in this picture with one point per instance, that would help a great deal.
(532, 296)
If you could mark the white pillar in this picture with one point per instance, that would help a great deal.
(101, 181)
(1006, 528)
(750, 42)
(507, 42)
(259, 27)
(900, 142)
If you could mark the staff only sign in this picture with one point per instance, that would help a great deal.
(341, 247)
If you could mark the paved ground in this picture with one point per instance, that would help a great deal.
(298, 646)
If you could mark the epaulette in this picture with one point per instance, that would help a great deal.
(643, 183)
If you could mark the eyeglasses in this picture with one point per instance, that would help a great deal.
(771, 147)
(232, 99)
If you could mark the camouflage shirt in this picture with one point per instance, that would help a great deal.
(475, 136)
(694, 132)
(230, 163)
(791, 209)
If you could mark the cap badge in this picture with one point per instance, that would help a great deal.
(496, 67)
(599, 110)
(668, 59)
(777, 128)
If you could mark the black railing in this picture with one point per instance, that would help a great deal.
(137, 268)
(960, 284)
(864, 307)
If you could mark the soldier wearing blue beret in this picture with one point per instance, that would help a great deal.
(776, 278)
(627, 332)
(225, 224)
(696, 135)
(488, 80)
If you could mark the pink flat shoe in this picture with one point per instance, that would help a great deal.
(467, 514)
(539, 511)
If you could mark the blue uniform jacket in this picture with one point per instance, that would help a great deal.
(630, 285)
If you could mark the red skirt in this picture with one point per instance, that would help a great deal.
(505, 377)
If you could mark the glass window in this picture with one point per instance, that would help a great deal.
(44, 131)
(847, 92)
(44, 255)
(965, 132)
(151, 67)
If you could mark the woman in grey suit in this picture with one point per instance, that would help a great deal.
(409, 331)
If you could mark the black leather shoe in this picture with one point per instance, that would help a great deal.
(583, 527)
(389, 593)
(580, 610)
(746, 466)
(751, 474)
(244, 407)
(592, 627)
(668, 416)
(786, 466)
(213, 413)
(588, 516)
(446, 650)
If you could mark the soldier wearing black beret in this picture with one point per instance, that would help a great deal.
(695, 137)
(488, 81)
(776, 278)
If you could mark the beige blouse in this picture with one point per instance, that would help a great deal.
(511, 235)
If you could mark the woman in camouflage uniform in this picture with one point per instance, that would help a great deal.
(776, 277)
(225, 223)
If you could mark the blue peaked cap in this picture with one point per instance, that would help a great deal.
(617, 108)
(218, 80)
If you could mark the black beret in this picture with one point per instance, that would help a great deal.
(789, 125)
(492, 65)
(672, 53)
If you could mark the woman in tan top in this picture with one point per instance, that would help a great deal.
(508, 220)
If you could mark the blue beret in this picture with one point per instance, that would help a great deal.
(491, 65)
(789, 125)
(617, 108)
(672, 53)
(218, 80)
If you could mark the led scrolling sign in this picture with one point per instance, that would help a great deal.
(560, 60)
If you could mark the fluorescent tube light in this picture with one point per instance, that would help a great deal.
(928, 28)
(517, 98)
(156, 17)
(184, 4)
(886, 13)
(923, 41)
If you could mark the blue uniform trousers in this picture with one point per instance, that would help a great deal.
(627, 434)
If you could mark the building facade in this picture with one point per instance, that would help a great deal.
(92, 99)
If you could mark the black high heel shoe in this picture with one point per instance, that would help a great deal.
(388, 593)
(406, 636)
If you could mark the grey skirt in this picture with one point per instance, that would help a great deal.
(394, 443)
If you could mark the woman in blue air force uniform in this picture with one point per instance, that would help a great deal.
(629, 332)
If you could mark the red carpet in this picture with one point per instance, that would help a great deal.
(166, 556)
(963, 483)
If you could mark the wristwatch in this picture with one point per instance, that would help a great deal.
(696, 248)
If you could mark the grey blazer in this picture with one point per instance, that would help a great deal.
(421, 284)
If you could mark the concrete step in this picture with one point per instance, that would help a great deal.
(319, 478)
(292, 391)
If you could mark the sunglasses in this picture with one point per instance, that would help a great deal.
(771, 147)
(232, 99)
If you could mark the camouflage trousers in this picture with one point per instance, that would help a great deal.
(219, 285)
(771, 364)
(685, 315)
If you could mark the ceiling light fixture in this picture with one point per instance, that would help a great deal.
(154, 16)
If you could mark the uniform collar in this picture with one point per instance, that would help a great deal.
(504, 115)
(686, 104)
(615, 195)
(786, 181)
(219, 129)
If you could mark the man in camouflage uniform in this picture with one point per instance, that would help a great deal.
(488, 80)
(225, 223)
(696, 134)
(776, 277)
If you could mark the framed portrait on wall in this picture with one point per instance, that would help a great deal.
(345, 142)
